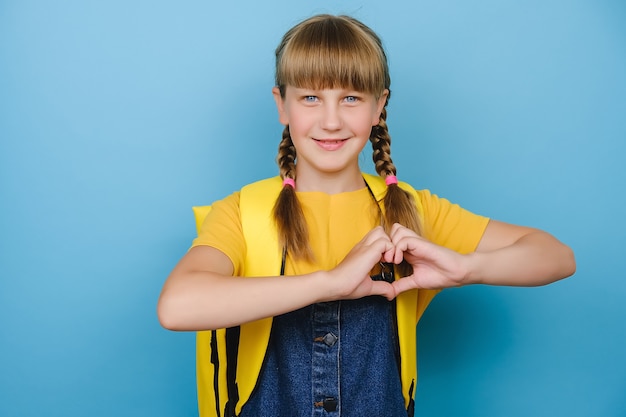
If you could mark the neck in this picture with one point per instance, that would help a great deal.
(330, 183)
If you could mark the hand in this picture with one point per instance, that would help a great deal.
(434, 266)
(351, 278)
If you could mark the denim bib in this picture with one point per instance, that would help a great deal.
(331, 359)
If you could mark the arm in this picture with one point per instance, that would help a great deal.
(202, 294)
(506, 255)
(518, 256)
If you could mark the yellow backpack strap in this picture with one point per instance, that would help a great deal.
(229, 361)
(263, 258)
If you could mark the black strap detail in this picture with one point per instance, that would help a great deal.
(232, 349)
(410, 410)
(283, 261)
(386, 273)
(215, 360)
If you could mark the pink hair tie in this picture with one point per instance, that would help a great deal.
(290, 182)
(391, 179)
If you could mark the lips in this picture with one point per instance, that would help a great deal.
(330, 144)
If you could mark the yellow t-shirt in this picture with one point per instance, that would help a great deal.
(337, 222)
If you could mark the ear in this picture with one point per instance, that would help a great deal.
(380, 105)
(280, 106)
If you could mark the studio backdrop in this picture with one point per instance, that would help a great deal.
(116, 117)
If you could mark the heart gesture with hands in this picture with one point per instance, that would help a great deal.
(434, 266)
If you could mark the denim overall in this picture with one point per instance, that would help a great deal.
(331, 359)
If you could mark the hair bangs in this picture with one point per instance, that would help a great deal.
(332, 53)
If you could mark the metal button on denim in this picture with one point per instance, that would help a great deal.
(330, 404)
(330, 339)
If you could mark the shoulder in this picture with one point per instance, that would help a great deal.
(263, 188)
(259, 197)
(226, 207)
(232, 201)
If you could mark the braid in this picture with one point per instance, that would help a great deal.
(286, 156)
(399, 204)
(381, 145)
(292, 230)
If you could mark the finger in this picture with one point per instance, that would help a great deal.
(395, 227)
(403, 284)
(398, 232)
(367, 254)
(384, 289)
(376, 233)
(414, 245)
(389, 255)
(385, 250)
(398, 255)
(379, 241)
(407, 245)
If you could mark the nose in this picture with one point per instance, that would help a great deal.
(330, 117)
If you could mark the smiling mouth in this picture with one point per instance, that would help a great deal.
(330, 141)
(330, 144)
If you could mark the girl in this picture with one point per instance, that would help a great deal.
(344, 263)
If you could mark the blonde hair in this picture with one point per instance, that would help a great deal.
(323, 52)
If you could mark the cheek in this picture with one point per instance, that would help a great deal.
(299, 124)
(375, 116)
(369, 120)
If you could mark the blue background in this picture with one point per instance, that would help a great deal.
(116, 117)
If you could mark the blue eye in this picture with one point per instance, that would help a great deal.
(351, 99)
(310, 99)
